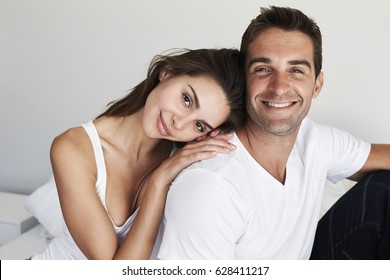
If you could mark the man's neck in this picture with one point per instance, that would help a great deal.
(269, 150)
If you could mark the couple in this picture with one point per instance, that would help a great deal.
(251, 194)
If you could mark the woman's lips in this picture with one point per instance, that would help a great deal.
(162, 127)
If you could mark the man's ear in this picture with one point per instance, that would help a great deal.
(163, 74)
(318, 84)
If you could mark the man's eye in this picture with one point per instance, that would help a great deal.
(298, 71)
(261, 70)
(186, 100)
(200, 126)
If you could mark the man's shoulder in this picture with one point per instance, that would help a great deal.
(309, 124)
(323, 133)
(225, 173)
(311, 130)
(222, 164)
(213, 171)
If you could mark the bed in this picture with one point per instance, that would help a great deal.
(44, 205)
(26, 245)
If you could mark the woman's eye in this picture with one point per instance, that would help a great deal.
(200, 126)
(186, 100)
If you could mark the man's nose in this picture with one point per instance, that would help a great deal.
(279, 83)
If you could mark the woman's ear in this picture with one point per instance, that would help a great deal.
(164, 74)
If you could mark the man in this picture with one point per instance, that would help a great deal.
(263, 200)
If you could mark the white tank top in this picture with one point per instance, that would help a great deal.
(63, 247)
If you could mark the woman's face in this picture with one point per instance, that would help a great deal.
(182, 108)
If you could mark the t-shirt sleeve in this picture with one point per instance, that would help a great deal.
(345, 152)
(202, 218)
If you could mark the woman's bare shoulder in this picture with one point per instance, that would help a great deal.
(73, 142)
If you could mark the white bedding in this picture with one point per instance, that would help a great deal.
(46, 209)
(26, 245)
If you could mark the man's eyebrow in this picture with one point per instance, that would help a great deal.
(300, 62)
(197, 105)
(259, 60)
(268, 60)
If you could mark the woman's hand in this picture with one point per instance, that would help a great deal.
(202, 148)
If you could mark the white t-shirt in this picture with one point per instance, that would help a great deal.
(229, 207)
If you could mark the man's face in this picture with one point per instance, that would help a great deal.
(280, 80)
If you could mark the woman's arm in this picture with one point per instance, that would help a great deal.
(140, 240)
(75, 172)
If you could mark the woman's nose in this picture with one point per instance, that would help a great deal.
(179, 122)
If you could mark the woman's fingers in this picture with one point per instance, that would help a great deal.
(202, 150)
(227, 135)
(217, 144)
(193, 152)
(217, 133)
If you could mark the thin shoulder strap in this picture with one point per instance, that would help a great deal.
(100, 162)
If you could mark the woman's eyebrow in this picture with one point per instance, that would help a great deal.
(209, 126)
(196, 99)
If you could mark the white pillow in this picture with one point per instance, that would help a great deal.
(333, 192)
(44, 205)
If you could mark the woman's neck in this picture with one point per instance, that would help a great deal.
(127, 134)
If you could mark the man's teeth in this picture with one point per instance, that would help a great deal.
(278, 105)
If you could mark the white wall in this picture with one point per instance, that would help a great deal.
(61, 62)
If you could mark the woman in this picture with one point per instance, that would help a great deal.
(113, 173)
